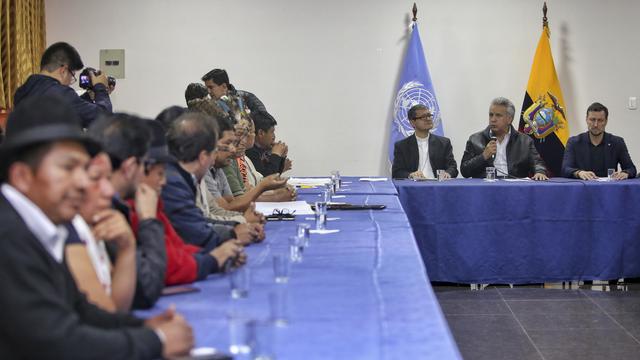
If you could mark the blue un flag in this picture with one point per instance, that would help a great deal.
(415, 87)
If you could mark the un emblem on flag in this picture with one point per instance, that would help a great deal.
(543, 117)
(410, 94)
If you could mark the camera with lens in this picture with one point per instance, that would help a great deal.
(85, 78)
(111, 81)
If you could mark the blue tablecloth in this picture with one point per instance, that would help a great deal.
(352, 185)
(361, 293)
(472, 231)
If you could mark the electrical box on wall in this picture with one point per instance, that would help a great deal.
(112, 62)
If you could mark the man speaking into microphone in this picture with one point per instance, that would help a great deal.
(513, 154)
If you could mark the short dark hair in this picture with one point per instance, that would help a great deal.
(59, 54)
(411, 114)
(224, 124)
(122, 136)
(195, 91)
(168, 115)
(597, 107)
(190, 134)
(263, 120)
(31, 155)
(218, 76)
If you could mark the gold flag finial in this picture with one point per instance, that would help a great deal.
(415, 12)
(545, 23)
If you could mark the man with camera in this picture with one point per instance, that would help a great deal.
(58, 67)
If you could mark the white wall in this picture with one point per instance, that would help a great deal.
(328, 70)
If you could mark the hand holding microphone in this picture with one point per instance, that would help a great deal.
(492, 147)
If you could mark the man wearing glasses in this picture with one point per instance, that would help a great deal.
(58, 67)
(589, 155)
(421, 155)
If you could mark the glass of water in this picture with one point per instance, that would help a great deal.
(491, 173)
(281, 268)
(303, 233)
(610, 173)
(295, 249)
(321, 215)
(240, 333)
(239, 281)
(440, 174)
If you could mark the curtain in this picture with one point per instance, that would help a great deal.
(22, 42)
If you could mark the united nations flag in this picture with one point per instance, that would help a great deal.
(543, 112)
(415, 87)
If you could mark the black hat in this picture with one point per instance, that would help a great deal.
(41, 120)
(159, 151)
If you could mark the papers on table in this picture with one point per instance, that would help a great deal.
(309, 181)
(518, 179)
(372, 179)
(300, 207)
(322, 232)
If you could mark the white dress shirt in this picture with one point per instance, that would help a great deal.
(52, 237)
(500, 162)
(424, 164)
(97, 252)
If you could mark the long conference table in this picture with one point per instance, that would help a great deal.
(474, 231)
(360, 293)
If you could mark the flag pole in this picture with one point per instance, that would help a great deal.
(415, 12)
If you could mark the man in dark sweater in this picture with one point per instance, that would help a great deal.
(44, 316)
(58, 67)
(267, 155)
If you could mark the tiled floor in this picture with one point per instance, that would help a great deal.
(537, 323)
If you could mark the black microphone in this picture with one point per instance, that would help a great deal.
(493, 138)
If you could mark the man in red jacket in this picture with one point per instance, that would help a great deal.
(185, 263)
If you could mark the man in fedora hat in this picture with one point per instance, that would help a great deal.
(58, 67)
(43, 172)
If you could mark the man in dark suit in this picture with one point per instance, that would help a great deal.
(44, 316)
(589, 155)
(510, 152)
(423, 154)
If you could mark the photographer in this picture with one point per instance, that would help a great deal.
(58, 67)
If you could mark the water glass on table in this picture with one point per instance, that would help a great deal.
(303, 233)
(610, 173)
(295, 249)
(278, 301)
(335, 180)
(491, 173)
(321, 215)
(281, 268)
(241, 333)
(239, 281)
(440, 173)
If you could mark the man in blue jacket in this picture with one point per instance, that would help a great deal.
(58, 67)
(589, 155)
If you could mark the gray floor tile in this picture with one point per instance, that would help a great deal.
(618, 304)
(487, 294)
(471, 307)
(577, 306)
(534, 321)
(481, 337)
(581, 338)
(540, 294)
(611, 294)
(593, 352)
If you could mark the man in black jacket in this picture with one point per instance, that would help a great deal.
(589, 155)
(44, 316)
(58, 67)
(268, 156)
(423, 154)
(512, 153)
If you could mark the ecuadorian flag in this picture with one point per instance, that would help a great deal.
(543, 111)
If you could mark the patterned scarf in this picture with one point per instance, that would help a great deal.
(242, 166)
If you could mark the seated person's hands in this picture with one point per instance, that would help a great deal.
(280, 149)
(620, 175)
(231, 249)
(178, 335)
(245, 234)
(586, 175)
(540, 177)
(252, 216)
(111, 225)
(416, 175)
(273, 181)
(146, 201)
(288, 165)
